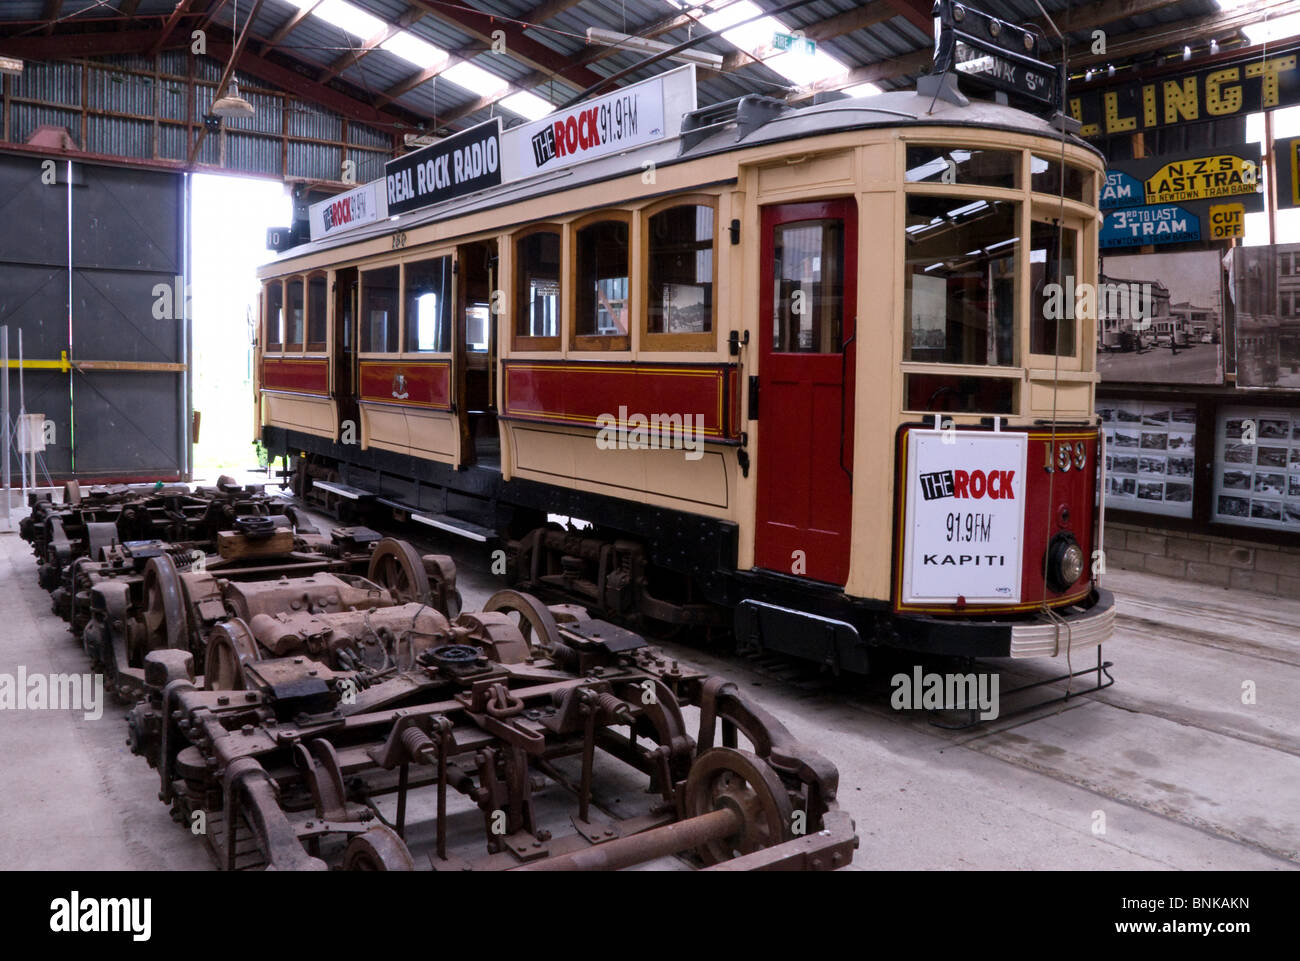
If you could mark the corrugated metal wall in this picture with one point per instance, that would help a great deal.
(148, 110)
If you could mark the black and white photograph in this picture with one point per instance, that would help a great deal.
(1261, 467)
(1160, 318)
(1267, 322)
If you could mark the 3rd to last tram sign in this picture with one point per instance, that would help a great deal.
(964, 517)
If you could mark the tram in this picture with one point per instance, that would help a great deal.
(802, 371)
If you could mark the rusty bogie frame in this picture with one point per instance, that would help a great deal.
(342, 725)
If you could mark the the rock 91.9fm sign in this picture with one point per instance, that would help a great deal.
(964, 512)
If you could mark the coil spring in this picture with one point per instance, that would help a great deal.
(613, 706)
(417, 743)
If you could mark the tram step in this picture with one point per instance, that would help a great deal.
(454, 525)
(343, 490)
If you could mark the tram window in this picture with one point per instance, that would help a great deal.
(428, 305)
(959, 300)
(317, 308)
(680, 276)
(602, 280)
(956, 165)
(293, 316)
(537, 285)
(1052, 261)
(1045, 178)
(959, 395)
(808, 307)
(379, 310)
(274, 316)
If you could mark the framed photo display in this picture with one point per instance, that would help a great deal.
(1150, 455)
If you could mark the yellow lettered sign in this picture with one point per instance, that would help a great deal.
(1227, 220)
(1203, 178)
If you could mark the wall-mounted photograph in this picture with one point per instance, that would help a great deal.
(1160, 318)
(1266, 294)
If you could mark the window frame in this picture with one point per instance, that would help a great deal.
(359, 320)
(272, 346)
(527, 342)
(435, 253)
(1073, 363)
(664, 341)
(317, 346)
(607, 343)
(297, 346)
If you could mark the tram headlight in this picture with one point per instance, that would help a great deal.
(1064, 562)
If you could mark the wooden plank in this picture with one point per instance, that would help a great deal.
(232, 545)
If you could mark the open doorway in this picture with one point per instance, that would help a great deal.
(229, 217)
(476, 356)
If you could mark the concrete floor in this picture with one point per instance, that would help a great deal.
(1183, 774)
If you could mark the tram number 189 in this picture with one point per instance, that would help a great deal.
(1067, 455)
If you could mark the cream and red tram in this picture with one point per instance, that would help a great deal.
(805, 289)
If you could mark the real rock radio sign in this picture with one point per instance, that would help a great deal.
(459, 165)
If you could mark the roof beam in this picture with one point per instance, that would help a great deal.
(290, 25)
(1080, 55)
(871, 73)
(292, 81)
(343, 61)
(181, 8)
(1216, 24)
(416, 79)
(916, 12)
(51, 14)
(520, 46)
(1099, 14)
(226, 74)
(214, 8)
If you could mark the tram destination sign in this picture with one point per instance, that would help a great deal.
(464, 164)
(964, 516)
(995, 54)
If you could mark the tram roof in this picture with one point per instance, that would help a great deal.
(890, 109)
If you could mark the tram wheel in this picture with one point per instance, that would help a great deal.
(378, 849)
(727, 777)
(536, 622)
(396, 566)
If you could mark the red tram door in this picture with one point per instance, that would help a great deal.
(807, 319)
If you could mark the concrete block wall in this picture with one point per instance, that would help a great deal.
(1221, 561)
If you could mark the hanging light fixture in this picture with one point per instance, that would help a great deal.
(232, 106)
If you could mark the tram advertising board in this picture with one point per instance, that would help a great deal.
(627, 118)
(355, 208)
(468, 162)
(963, 524)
